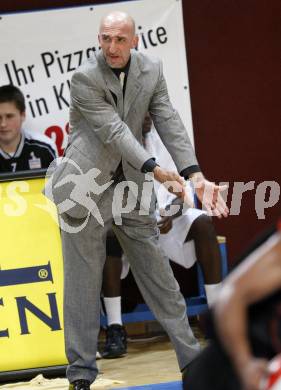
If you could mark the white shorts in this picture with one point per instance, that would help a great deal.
(173, 243)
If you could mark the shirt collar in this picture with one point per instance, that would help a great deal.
(18, 151)
(125, 69)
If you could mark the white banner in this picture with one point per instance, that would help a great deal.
(41, 49)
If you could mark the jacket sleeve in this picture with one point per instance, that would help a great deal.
(170, 127)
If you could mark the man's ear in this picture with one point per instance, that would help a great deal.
(135, 42)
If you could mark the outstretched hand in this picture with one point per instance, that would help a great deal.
(207, 192)
(210, 196)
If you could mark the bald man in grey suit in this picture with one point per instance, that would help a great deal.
(105, 154)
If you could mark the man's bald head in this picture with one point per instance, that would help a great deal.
(117, 18)
(117, 37)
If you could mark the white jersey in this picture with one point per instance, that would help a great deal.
(173, 243)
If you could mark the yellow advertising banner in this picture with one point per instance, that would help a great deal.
(31, 278)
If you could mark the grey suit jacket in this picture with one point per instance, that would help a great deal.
(102, 133)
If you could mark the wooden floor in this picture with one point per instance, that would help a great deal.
(150, 361)
(147, 362)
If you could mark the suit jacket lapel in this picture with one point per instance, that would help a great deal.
(111, 82)
(133, 86)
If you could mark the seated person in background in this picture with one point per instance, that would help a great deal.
(20, 150)
(247, 324)
(185, 237)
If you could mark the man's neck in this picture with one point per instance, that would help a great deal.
(11, 147)
(125, 68)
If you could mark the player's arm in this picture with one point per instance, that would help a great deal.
(257, 277)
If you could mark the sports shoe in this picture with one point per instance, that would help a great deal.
(116, 342)
(80, 384)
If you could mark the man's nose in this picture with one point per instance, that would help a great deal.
(112, 47)
(3, 122)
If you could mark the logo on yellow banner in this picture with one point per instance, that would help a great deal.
(31, 280)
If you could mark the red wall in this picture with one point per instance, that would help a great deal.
(233, 54)
(234, 69)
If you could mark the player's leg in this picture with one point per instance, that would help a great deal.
(116, 339)
(207, 250)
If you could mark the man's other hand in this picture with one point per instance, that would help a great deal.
(209, 195)
(173, 182)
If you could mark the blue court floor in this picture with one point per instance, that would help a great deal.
(159, 386)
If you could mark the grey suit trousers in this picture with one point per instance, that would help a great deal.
(84, 257)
